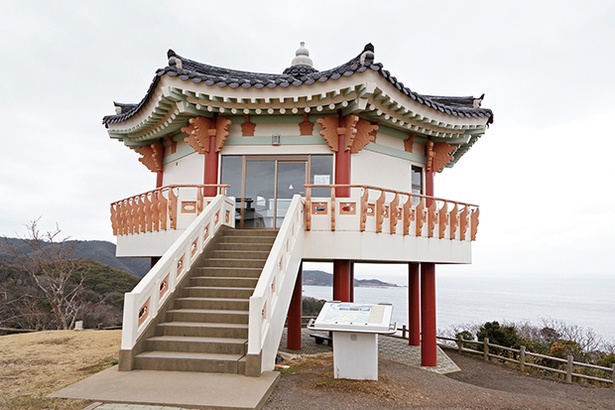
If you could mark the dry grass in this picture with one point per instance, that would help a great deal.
(34, 365)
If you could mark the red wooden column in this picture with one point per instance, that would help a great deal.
(293, 341)
(351, 282)
(341, 280)
(428, 314)
(414, 305)
(342, 160)
(211, 161)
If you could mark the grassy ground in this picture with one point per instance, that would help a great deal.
(33, 365)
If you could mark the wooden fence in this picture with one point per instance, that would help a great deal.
(524, 358)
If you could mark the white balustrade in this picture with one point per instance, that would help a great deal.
(142, 303)
(271, 298)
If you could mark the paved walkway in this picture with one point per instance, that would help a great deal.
(391, 348)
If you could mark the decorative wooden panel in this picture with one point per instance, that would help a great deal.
(463, 223)
(442, 220)
(419, 217)
(454, 221)
(306, 127)
(247, 128)
(474, 224)
(431, 218)
(380, 211)
(348, 208)
(364, 210)
(320, 208)
(366, 133)
(151, 156)
(394, 214)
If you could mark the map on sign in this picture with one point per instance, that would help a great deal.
(354, 316)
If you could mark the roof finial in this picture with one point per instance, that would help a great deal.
(302, 57)
(367, 56)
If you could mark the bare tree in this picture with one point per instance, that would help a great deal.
(50, 262)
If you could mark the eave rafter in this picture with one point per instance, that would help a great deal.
(178, 104)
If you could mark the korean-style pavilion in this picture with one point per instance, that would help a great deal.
(257, 173)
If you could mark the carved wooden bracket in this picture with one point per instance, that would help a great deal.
(357, 132)
(173, 144)
(366, 133)
(329, 131)
(409, 143)
(247, 128)
(306, 127)
(151, 156)
(199, 130)
(438, 155)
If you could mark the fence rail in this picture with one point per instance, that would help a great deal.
(520, 357)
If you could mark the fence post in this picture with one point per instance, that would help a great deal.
(614, 375)
(522, 358)
(403, 332)
(569, 369)
(486, 349)
(459, 344)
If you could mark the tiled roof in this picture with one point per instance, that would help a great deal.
(189, 70)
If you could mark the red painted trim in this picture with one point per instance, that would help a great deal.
(341, 280)
(429, 189)
(428, 314)
(342, 163)
(211, 164)
(414, 305)
(294, 315)
(159, 179)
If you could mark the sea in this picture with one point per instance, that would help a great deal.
(585, 301)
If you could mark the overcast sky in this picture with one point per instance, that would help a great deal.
(542, 174)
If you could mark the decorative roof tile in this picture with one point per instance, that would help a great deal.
(295, 76)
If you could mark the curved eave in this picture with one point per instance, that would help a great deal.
(173, 100)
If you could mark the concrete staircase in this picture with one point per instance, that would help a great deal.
(206, 329)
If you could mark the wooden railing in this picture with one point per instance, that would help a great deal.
(141, 305)
(373, 209)
(524, 358)
(158, 209)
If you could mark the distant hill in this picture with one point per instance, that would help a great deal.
(320, 278)
(100, 251)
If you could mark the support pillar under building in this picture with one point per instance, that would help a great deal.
(414, 305)
(342, 273)
(428, 314)
(293, 340)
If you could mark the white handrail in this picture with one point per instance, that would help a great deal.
(142, 303)
(271, 298)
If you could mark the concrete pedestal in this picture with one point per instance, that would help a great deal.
(355, 356)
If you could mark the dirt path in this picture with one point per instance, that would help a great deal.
(479, 386)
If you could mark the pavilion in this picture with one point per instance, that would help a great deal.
(256, 173)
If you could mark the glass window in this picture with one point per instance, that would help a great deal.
(417, 183)
(321, 172)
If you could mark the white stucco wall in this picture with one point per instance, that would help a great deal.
(188, 168)
(371, 168)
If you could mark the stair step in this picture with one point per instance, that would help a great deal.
(218, 292)
(224, 282)
(238, 246)
(212, 303)
(220, 345)
(208, 315)
(250, 239)
(239, 254)
(189, 361)
(225, 272)
(234, 263)
(232, 330)
(251, 232)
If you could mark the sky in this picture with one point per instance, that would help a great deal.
(542, 173)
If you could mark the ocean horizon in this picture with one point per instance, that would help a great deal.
(586, 301)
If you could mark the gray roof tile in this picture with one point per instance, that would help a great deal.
(296, 76)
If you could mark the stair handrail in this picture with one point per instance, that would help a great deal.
(271, 298)
(142, 303)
